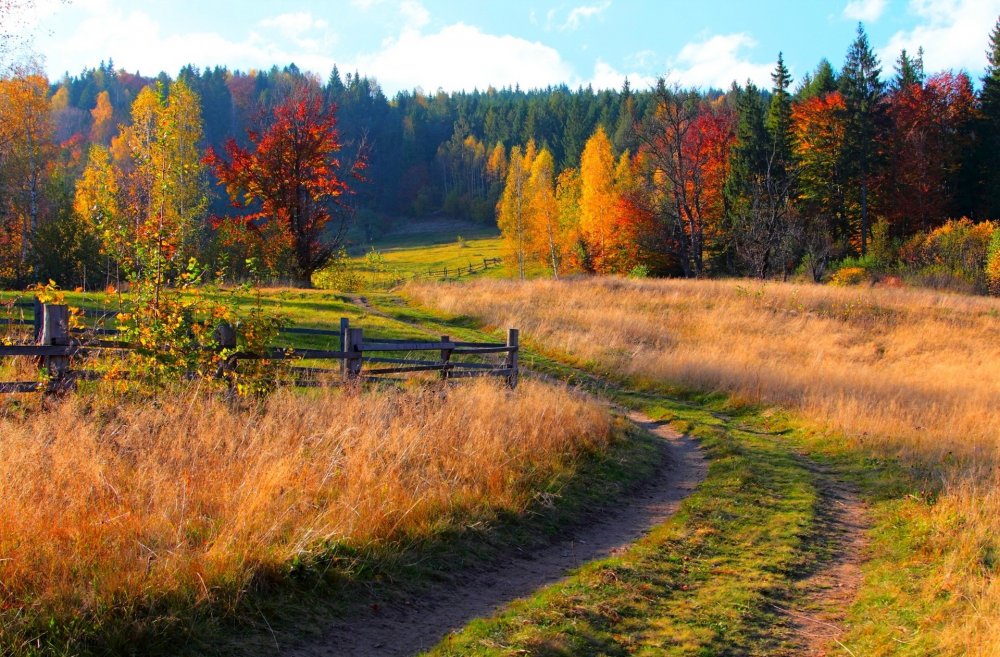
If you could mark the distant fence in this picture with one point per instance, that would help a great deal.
(468, 270)
(56, 347)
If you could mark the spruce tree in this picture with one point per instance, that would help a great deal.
(779, 115)
(864, 94)
(989, 154)
(909, 70)
(821, 82)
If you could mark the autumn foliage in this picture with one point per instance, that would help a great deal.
(290, 185)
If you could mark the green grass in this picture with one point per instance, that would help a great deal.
(711, 580)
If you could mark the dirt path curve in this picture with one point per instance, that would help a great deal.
(824, 594)
(410, 627)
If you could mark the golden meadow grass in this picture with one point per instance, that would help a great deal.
(186, 496)
(911, 373)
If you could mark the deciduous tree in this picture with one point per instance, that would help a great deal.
(292, 177)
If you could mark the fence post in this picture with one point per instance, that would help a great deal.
(225, 337)
(345, 325)
(445, 273)
(355, 340)
(55, 333)
(37, 320)
(512, 341)
(445, 358)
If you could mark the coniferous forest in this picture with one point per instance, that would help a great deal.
(876, 167)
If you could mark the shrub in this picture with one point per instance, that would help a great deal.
(849, 276)
(953, 255)
(993, 264)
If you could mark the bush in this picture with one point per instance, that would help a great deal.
(993, 264)
(953, 255)
(846, 276)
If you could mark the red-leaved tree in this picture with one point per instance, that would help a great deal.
(291, 184)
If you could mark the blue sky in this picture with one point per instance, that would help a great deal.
(453, 44)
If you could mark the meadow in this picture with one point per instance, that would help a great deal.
(893, 375)
(127, 517)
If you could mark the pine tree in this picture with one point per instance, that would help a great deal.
(863, 93)
(909, 70)
(989, 153)
(779, 116)
(821, 82)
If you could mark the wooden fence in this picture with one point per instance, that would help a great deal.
(468, 270)
(56, 347)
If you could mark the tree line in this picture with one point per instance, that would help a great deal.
(666, 181)
(849, 168)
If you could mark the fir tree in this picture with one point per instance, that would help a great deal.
(779, 115)
(909, 71)
(990, 144)
(863, 93)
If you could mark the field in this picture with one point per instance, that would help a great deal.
(416, 249)
(131, 521)
(893, 376)
(797, 394)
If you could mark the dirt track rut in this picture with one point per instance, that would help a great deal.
(409, 627)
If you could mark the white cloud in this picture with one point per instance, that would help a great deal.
(953, 33)
(580, 14)
(868, 11)
(302, 28)
(414, 14)
(716, 62)
(461, 56)
(135, 42)
(607, 77)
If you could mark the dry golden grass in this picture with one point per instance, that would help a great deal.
(912, 373)
(187, 497)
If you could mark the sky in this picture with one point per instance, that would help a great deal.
(459, 44)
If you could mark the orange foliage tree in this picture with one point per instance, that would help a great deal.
(26, 152)
(598, 200)
(818, 143)
(687, 142)
(291, 181)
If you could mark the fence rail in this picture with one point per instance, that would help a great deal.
(56, 346)
(468, 270)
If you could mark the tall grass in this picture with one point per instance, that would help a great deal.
(111, 506)
(908, 373)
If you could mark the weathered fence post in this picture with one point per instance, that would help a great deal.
(37, 320)
(225, 338)
(55, 333)
(445, 358)
(345, 325)
(355, 340)
(511, 364)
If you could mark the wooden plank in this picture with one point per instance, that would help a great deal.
(37, 350)
(398, 361)
(406, 346)
(484, 350)
(16, 322)
(296, 354)
(458, 343)
(401, 370)
(13, 387)
(294, 330)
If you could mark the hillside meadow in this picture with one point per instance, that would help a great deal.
(123, 518)
(894, 375)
